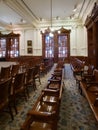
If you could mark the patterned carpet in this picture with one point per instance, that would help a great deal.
(75, 113)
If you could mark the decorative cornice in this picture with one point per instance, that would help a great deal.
(60, 23)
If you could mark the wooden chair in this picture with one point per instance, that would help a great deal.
(87, 75)
(42, 69)
(36, 75)
(5, 72)
(29, 81)
(4, 95)
(88, 72)
(14, 69)
(18, 88)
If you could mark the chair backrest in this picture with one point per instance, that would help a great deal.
(14, 69)
(29, 75)
(96, 74)
(36, 70)
(90, 69)
(5, 72)
(4, 92)
(18, 82)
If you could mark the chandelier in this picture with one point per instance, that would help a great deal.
(50, 30)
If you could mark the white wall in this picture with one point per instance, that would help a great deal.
(78, 41)
(35, 37)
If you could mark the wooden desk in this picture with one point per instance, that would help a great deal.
(91, 98)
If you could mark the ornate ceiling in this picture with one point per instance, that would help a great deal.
(37, 13)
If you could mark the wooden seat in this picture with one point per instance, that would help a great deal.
(52, 96)
(4, 96)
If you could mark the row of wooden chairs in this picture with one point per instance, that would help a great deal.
(45, 66)
(89, 88)
(87, 72)
(16, 83)
(77, 66)
(4, 96)
(9, 71)
(87, 83)
(45, 112)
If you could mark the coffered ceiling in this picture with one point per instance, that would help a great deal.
(38, 13)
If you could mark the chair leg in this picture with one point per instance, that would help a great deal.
(39, 81)
(15, 108)
(27, 92)
(25, 95)
(13, 103)
(11, 113)
(34, 84)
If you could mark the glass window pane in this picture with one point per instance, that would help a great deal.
(49, 46)
(62, 46)
(2, 48)
(14, 52)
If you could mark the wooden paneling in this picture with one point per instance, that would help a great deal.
(92, 36)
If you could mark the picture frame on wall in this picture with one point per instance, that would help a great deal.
(29, 42)
(29, 50)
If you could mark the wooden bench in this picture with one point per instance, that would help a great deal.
(45, 112)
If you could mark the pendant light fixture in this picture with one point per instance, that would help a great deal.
(51, 28)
